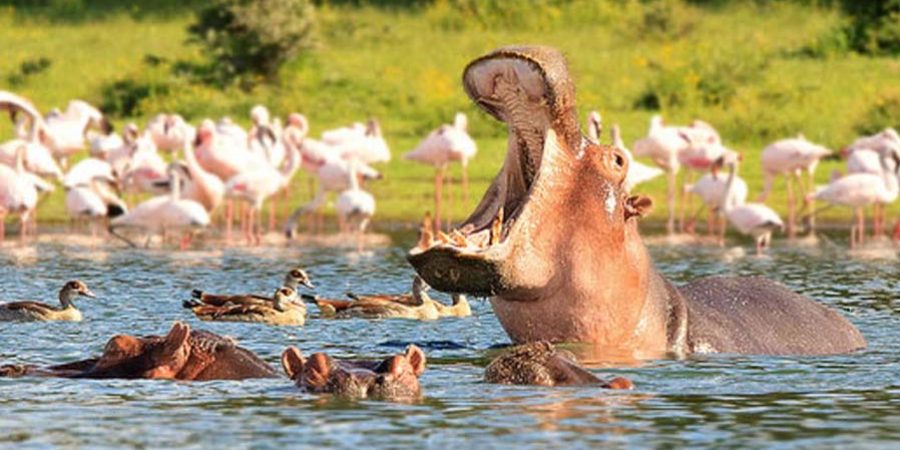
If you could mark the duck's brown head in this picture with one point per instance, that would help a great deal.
(297, 277)
(557, 190)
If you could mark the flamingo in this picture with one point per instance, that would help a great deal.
(205, 188)
(711, 190)
(18, 194)
(86, 170)
(343, 134)
(256, 185)
(144, 168)
(863, 156)
(94, 201)
(103, 145)
(332, 174)
(355, 207)
(862, 189)
(38, 158)
(754, 219)
(370, 148)
(663, 145)
(170, 132)
(161, 213)
(449, 142)
(67, 130)
(264, 137)
(790, 157)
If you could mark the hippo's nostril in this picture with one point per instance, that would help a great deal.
(620, 161)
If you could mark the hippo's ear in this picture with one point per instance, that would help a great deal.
(317, 370)
(620, 383)
(638, 206)
(178, 337)
(416, 358)
(292, 362)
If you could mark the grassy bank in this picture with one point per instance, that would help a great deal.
(757, 73)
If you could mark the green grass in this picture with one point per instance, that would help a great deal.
(740, 66)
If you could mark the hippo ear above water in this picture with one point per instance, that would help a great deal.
(416, 358)
(177, 338)
(292, 362)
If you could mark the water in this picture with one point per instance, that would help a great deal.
(709, 401)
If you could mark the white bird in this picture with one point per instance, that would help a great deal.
(170, 132)
(355, 207)
(94, 201)
(339, 135)
(863, 156)
(102, 145)
(67, 130)
(370, 148)
(863, 189)
(663, 144)
(18, 194)
(711, 190)
(145, 168)
(754, 219)
(204, 187)
(258, 184)
(159, 214)
(332, 176)
(264, 138)
(448, 143)
(86, 170)
(32, 135)
(790, 157)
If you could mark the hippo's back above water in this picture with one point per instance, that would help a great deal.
(754, 315)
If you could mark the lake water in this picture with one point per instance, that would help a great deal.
(709, 401)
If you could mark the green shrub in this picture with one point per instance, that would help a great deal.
(249, 40)
(875, 26)
(27, 69)
(884, 112)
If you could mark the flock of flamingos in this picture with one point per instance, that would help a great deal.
(219, 165)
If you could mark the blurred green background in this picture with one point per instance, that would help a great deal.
(757, 70)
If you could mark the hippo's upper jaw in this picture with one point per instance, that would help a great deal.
(508, 244)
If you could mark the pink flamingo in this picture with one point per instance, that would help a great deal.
(448, 143)
(663, 144)
(862, 189)
(754, 219)
(159, 214)
(256, 185)
(791, 157)
(67, 130)
(170, 132)
(18, 194)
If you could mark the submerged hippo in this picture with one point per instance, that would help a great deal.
(394, 378)
(555, 242)
(182, 354)
(541, 364)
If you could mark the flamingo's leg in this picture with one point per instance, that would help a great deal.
(465, 182)
(272, 206)
(791, 211)
(670, 200)
(229, 218)
(438, 194)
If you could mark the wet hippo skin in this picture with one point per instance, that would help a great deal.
(182, 354)
(554, 242)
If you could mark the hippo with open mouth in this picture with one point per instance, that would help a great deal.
(182, 354)
(555, 242)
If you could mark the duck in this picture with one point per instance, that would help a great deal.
(416, 305)
(284, 309)
(293, 279)
(31, 311)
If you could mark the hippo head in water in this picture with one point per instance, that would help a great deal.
(541, 364)
(394, 378)
(182, 354)
(554, 242)
(557, 212)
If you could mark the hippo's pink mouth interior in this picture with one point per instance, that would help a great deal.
(471, 259)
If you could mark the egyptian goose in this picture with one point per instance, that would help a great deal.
(415, 305)
(285, 309)
(30, 311)
(296, 277)
(459, 308)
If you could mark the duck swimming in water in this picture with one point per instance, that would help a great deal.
(30, 311)
(285, 309)
(295, 278)
(415, 305)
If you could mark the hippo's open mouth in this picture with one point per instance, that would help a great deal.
(518, 88)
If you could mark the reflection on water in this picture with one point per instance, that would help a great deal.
(712, 401)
